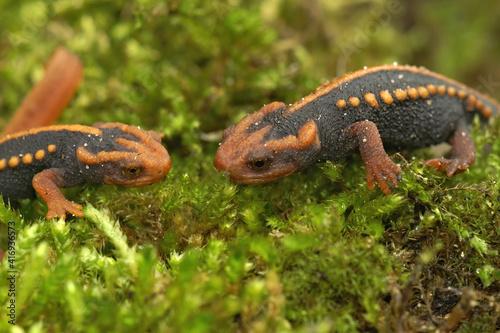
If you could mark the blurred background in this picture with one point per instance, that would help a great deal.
(191, 67)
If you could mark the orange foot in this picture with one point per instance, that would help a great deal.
(450, 166)
(380, 170)
(59, 208)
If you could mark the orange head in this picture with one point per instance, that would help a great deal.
(134, 157)
(259, 149)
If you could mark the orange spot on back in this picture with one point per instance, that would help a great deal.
(487, 112)
(27, 159)
(371, 100)
(400, 94)
(441, 89)
(412, 92)
(354, 101)
(452, 91)
(341, 103)
(14, 161)
(386, 97)
(423, 92)
(3, 163)
(462, 94)
(479, 105)
(39, 155)
(51, 148)
(471, 103)
(432, 89)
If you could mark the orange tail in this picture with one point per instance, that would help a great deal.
(45, 102)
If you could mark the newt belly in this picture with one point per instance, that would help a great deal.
(393, 106)
(42, 160)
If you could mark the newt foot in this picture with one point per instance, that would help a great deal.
(59, 208)
(381, 170)
(450, 166)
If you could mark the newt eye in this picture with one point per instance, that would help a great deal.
(131, 171)
(260, 162)
(259, 165)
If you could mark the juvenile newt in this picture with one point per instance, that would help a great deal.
(44, 159)
(391, 105)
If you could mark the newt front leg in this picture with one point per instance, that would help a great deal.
(379, 166)
(47, 184)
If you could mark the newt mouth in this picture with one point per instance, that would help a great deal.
(252, 180)
(134, 183)
(241, 175)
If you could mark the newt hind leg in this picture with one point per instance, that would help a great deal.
(463, 154)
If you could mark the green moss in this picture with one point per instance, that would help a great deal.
(316, 251)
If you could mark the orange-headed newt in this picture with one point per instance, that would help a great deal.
(46, 158)
(393, 106)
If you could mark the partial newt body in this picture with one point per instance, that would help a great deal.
(50, 96)
(44, 159)
(390, 105)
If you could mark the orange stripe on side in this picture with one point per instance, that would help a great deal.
(57, 128)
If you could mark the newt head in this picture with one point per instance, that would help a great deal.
(137, 159)
(252, 152)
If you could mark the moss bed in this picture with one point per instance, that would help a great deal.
(314, 252)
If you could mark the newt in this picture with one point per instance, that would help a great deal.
(37, 158)
(44, 159)
(390, 105)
